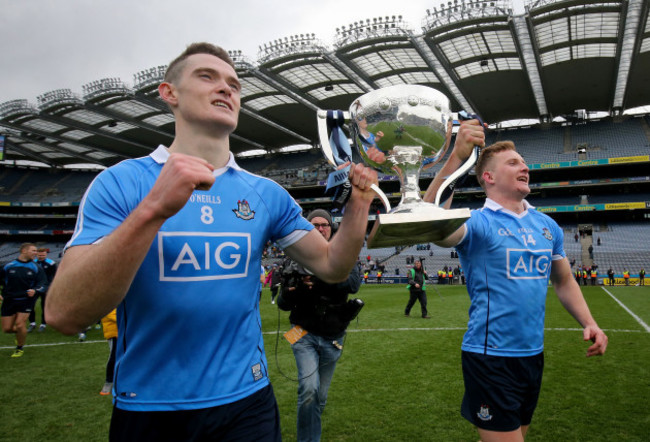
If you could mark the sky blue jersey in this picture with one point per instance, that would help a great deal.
(507, 262)
(189, 326)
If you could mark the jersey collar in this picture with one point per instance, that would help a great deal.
(493, 205)
(161, 154)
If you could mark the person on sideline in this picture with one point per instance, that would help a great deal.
(322, 311)
(49, 267)
(183, 232)
(109, 328)
(417, 289)
(509, 251)
(21, 279)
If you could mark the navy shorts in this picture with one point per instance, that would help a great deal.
(501, 393)
(255, 418)
(11, 306)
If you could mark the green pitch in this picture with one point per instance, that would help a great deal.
(399, 379)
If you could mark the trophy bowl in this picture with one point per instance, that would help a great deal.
(401, 130)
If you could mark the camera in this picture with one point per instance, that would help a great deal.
(352, 309)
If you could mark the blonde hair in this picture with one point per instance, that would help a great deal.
(487, 154)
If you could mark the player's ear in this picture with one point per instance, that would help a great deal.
(168, 93)
(488, 177)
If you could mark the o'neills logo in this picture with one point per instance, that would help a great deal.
(243, 210)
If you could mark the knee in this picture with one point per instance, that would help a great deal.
(308, 392)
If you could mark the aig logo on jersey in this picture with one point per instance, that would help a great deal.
(528, 264)
(199, 256)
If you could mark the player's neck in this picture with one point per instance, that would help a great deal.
(515, 205)
(215, 150)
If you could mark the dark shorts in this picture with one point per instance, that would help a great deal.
(11, 306)
(255, 418)
(500, 392)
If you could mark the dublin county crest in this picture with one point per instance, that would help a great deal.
(484, 413)
(243, 210)
(547, 234)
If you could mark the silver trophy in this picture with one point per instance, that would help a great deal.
(399, 130)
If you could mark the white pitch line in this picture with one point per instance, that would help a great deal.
(639, 320)
(53, 344)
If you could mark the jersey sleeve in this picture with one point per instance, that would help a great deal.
(558, 240)
(476, 228)
(288, 223)
(103, 208)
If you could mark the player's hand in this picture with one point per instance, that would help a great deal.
(361, 178)
(594, 334)
(181, 175)
(31, 293)
(376, 155)
(470, 134)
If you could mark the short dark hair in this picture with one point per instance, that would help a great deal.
(176, 66)
(486, 156)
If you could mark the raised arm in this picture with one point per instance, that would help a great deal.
(93, 279)
(332, 261)
(574, 302)
(470, 134)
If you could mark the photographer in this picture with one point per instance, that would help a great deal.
(320, 313)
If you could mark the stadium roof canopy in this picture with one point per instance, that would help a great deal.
(558, 57)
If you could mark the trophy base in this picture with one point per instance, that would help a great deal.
(397, 229)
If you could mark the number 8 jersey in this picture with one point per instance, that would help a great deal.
(189, 326)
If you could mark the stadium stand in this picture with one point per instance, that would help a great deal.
(589, 169)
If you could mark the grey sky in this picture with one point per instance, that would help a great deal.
(53, 44)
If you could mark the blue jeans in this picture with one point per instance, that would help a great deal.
(316, 360)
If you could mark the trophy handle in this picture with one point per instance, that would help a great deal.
(324, 140)
(451, 179)
(382, 196)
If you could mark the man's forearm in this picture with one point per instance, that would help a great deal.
(343, 250)
(452, 164)
(93, 280)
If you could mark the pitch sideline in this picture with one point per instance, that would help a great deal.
(362, 330)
